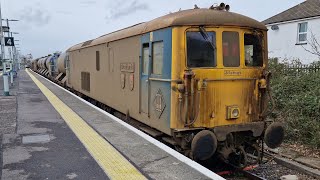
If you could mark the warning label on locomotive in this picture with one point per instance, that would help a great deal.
(127, 67)
(232, 73)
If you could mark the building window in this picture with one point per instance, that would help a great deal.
(157, 57)
(231, 49)
(97, 61)
(302, 32)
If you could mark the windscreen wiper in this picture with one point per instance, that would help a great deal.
(205, 36)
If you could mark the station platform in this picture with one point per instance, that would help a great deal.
(52, 134)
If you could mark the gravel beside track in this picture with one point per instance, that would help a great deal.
(271, 171)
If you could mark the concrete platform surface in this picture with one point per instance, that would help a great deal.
(150, 159)
(44, 146)
(25, 156)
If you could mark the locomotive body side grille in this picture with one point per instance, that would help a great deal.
(85, 81)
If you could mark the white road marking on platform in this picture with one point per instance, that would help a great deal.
(41, 138)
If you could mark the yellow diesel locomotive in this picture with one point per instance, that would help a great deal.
(196, 79)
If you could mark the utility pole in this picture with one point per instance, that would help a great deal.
(5, 76)
(15, 52)
(14, 55)
(11, 49)
(11, 54)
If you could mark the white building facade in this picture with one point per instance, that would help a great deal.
(291, 32)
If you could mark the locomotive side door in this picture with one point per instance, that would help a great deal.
(144, 80)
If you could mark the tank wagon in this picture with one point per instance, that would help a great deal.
(61, 67)
(43, 69)
(197, 78)
(52, 66)
(34, 64)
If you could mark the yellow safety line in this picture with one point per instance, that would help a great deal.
(110, 160)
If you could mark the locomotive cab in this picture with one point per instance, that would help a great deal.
(224, 90)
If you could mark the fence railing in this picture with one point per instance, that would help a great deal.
(301, 69)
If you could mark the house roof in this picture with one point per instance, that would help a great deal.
(307, 9)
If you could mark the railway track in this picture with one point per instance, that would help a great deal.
(292, 164)
(248, 172)
(272, 166)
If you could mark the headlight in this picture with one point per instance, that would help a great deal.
(233, 112)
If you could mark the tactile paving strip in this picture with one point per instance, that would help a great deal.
(110, 160)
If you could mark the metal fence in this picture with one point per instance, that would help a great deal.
(301, 69)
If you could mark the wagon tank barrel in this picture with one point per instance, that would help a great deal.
(61, 63)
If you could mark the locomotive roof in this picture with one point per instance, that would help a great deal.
(180, 18)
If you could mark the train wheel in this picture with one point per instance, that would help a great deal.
(274, 135)
(204, 145)
(254, 154)
(239, 157)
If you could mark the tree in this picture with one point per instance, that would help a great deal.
(314, 45)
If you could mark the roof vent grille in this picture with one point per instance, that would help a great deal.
(87, 43)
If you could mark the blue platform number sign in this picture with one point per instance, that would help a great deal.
(8, 41)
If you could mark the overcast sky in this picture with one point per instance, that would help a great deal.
(47, 26)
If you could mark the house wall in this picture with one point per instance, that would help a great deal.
(282, 43)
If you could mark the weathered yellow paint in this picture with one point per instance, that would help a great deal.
(224, 89)
(110, 160)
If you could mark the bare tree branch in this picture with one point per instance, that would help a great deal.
(314, 45)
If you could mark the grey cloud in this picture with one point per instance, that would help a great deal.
(64, 12)
(86, 3)
(36, 16)
(124, 8)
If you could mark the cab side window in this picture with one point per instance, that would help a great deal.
(157, 58)
(231, 49)
(145, 59)
(253, 50)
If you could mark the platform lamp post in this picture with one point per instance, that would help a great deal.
(11, 56)
(16, 65)
(5, 76)
(10, 42)
(13, 69)
(14, 62)
(18, 53)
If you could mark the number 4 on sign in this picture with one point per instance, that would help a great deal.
(9, 41)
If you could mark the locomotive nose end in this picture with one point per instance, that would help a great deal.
(204, 145)
(274, 135)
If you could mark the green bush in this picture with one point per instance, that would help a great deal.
(297, 98)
